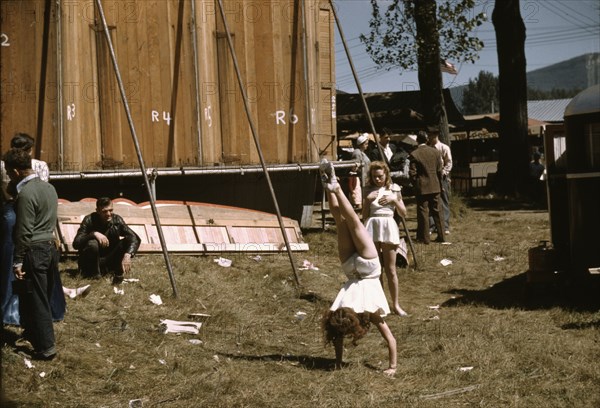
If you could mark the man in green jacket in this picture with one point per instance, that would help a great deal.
(35, 262)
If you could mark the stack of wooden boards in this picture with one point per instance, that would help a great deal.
(189, 227)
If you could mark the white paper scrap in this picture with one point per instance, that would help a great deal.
(195, 341)
(498, 258)
(43, 374)
(135, 403)
(28, 363)
(131, 280)
(224, 262)
(257, 258)
(436, 307)
(176, 326)
(118, 291)
(155, 299)
(307, 265)
(446, 262)
(465, 369)
(300, 315)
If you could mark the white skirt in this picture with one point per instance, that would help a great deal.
(383, 229)
(362, 295)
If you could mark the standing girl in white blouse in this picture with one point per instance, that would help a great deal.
(382, 199)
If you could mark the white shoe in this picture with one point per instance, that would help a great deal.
(328, 177)
(82, 291)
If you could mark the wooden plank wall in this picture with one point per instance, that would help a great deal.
(153, 43)
(20, 69)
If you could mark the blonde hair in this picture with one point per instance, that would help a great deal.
(379, 165)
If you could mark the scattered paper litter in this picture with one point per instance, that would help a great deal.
(224, 262)
(176, 326)
(498, 258)
(300, 315)
(163, 362)
(307, 265)
(135, 403)
(216, 358)
(436, 307)
(155, 299)
(28, 363)
(446, 262)
(43, 374)
(195, 341)
(257, 258)
(98, 345)
(446, 243)
(118, 291)
(464, 369)
(131, 280)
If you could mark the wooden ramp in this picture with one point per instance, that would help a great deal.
(189, 227)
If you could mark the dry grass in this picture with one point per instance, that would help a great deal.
(525, 350)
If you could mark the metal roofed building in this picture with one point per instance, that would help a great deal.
(551, 110)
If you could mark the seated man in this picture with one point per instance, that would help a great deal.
(105, 243)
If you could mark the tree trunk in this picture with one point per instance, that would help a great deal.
(428, 61)
(513, 163)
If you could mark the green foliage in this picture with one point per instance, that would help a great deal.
(481, 94)
(394, 41)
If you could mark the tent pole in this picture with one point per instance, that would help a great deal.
(368, 114)
(43, 69)
(197, 82)
(137, 148)
(309, 129)
(59, 84)
(256, 141)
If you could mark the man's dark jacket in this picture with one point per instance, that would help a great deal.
(114, 230)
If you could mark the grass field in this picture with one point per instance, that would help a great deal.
(477, 335)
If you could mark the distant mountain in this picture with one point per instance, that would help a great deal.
(576, 73)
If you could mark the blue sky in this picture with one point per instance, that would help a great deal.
(557, 30)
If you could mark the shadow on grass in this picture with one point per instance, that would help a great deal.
(308, 362)
(503, 204)
(516, 292)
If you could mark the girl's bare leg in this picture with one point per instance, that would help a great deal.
(389, 266)
(362, 243)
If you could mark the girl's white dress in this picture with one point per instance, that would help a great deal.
(381, 224)
(362, 292)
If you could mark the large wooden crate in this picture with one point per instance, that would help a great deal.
(179, 78)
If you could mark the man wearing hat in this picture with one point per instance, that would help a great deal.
(434, 141)
(426, 176)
